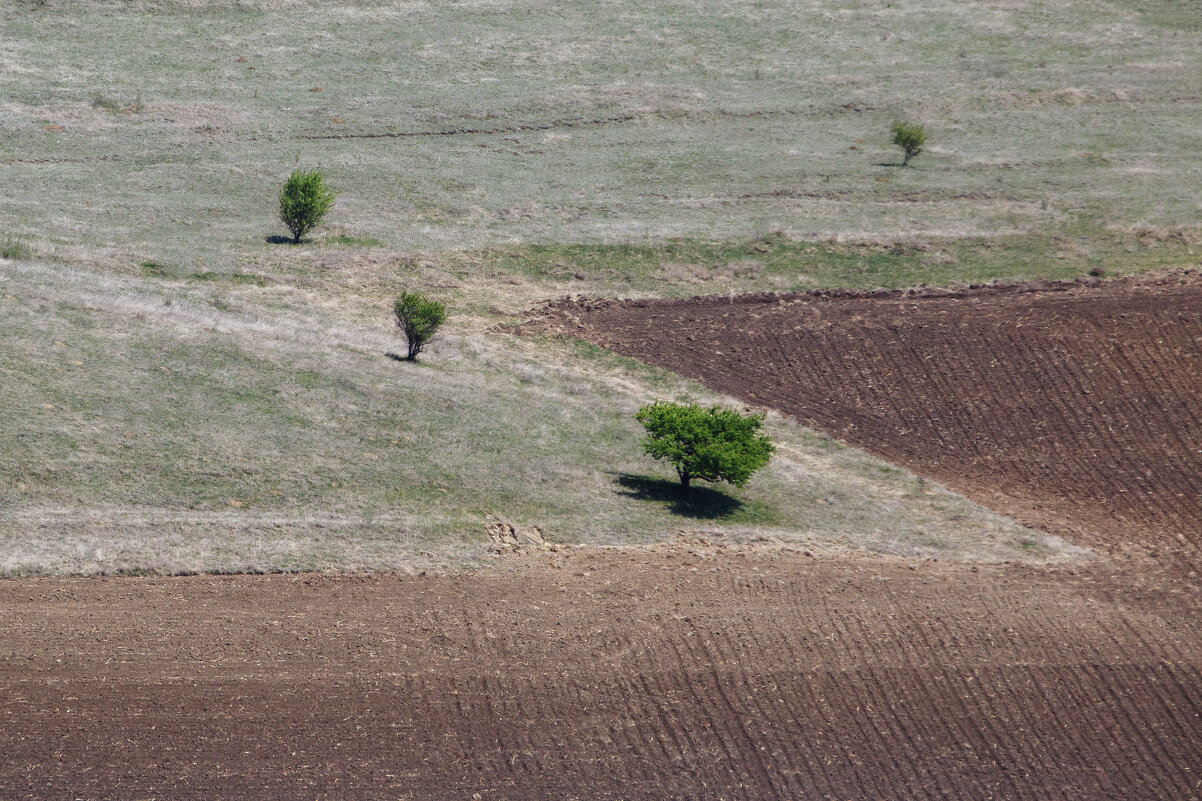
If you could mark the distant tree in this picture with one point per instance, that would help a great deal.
(418, 317)
(910, 138)
(712, 444)
(304, 200)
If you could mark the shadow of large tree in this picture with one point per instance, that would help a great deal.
(700, 503)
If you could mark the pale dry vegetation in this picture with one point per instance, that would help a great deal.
(182, 395)
(178, 428)
(568, 123)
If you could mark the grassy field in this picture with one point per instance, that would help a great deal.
(162, 130)
(179, 428)
(181, 393)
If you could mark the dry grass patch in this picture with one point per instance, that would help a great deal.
(711, 121)
(178, 426)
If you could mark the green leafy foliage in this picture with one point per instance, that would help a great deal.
(304, 200)
(713, 444)
(910, 138)
(418, 317)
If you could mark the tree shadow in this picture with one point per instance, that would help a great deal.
(396, 357)
(276, 239)
(699, 503)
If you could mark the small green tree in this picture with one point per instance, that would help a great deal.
(304, 200)
(419, 317)
(712, 444)
(910, 138)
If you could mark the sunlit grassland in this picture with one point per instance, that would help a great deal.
(163, 130)
(181, 393)
(176, 428)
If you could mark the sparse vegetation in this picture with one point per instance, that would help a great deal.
(267, 436)
(418, 317)
(155, 269)
(910, 137)
(355, 241)
(14, 250)
(1022, 109)
(304, 200)
(713, 444)
(114, 106)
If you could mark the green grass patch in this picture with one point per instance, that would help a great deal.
(15, 251)
(775, 262)
(714, 503)
(115, 106)
(156, 269)
(606, 361)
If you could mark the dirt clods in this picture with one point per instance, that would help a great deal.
(506, 538)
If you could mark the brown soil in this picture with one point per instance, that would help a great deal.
(1075, 407)
(686, 671)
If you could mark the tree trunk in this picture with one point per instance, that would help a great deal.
(685, 478)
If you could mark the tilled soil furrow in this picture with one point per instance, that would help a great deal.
(1112, 680)
(720, 718)
(624, 737)
(815, 750)
(753, 696)
(775, 676)
(1078, 716)
(898, 746)
(1004, 718)
(1173, 444)
(1144, 755)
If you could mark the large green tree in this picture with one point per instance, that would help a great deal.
(713, 444)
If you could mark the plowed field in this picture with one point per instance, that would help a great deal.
(1075, 407)
(681, 672)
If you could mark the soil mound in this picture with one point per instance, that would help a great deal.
(506, 537)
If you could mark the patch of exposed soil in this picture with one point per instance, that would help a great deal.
(682, 671)
(1075, 407)
(508, 538)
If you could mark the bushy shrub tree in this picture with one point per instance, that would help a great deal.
(713, 444)
(304, 200)
(910, 138)
(418, 317)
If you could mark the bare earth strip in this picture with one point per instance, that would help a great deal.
(1075, 407)
(688, 671)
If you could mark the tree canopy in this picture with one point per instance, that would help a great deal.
(910, 138)
(713, 444)
(304, 200)
(418, 317)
